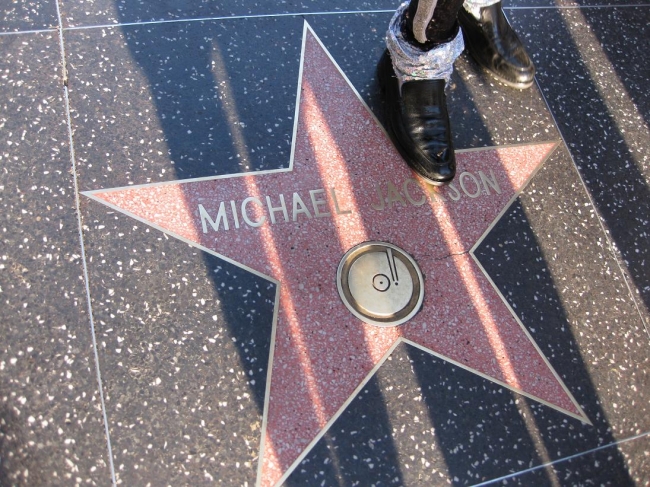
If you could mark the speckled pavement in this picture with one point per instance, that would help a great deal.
(178, 183)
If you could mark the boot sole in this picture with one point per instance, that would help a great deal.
(511, 84)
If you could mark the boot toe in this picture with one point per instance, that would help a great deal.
(417, 121)
(495, 46)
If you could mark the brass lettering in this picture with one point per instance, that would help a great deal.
(233, 207)
(394, 195)
(405, 188)
(316, 203)
(455, 197)
(221, 216)
(486, 181)
(299, 207)
(273, 209)
(462, 178)
(381, 205)
(244, 214)
(336, 203)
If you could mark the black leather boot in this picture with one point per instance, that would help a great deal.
(418, 124)
(495, 46)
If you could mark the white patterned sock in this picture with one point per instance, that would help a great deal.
(474, 6)
(412, 63)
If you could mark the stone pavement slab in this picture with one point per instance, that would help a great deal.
(167, 380)
(51, 418)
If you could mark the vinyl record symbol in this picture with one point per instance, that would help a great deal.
(380, 283)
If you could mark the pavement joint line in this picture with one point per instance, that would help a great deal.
(576, 7)
(613, 248)
(33, 31)
(315, 14)
(227, 17)
(564, 459)
(288, 14)
(82, 246)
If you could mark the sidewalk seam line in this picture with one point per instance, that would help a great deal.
(288, 14)
(315, 14)
(563, 459)
(31, 31)
(81, 243)
(225, 17)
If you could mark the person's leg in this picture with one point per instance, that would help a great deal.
(431, 23)
(423, 41)
(493, 43)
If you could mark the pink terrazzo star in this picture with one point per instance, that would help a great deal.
(347, 185)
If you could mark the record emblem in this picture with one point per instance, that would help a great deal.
(380, 284)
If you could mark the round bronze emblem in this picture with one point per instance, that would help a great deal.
(380, 283)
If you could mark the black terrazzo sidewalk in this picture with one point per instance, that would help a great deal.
(128, 357)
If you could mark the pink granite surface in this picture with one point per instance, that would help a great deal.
(322, 352)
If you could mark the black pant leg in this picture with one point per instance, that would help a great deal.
(443, 26)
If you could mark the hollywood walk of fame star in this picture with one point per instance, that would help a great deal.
(346, 185)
